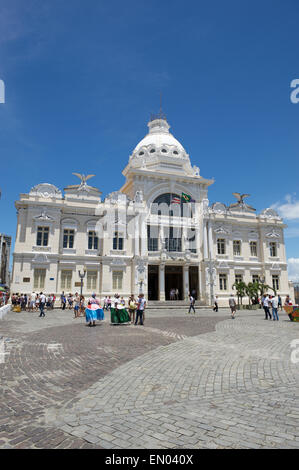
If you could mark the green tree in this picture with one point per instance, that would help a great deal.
(241, 290)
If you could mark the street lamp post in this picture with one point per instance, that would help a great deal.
(82, 276)
(140, 285)
(211, 283)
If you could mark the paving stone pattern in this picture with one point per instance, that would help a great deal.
(180, 381)
(49, 361)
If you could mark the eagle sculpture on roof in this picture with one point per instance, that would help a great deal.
(83, 179)
(241, 203)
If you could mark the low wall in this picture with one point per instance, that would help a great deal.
(4, 310)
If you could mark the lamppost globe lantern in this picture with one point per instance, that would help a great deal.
(82, 276)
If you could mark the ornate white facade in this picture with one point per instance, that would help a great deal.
(143, 237)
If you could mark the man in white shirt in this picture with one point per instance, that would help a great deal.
(42, 302)
(274, 303)
(266, 307)
(32, 301)
(141, 304)
(233, 305)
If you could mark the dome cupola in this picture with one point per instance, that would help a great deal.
(159, 142)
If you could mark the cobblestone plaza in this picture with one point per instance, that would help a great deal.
(180, 381)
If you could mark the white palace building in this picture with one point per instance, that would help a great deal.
(157, 233)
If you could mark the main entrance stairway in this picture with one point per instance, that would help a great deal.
(174, 304)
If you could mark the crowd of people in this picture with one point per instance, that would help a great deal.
(267, 302)
(4, 297)
(133, 311)
(31, 302)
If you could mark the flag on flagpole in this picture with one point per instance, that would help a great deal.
(176, 200)
(187, 198)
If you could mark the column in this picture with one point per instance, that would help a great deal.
(162, 282)
(143, 234)
(211, 251)
(183, 237)
(200, 286)
(136, 236)
(205, 241)
(186, 281)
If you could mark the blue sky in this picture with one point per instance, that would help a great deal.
(83, 77)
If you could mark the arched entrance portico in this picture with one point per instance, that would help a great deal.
(174, 282)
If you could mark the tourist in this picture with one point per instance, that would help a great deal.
(82, 305)
(109, 301)
(70, 301)
(192, 303)
(63, 301)
(122, 301)
(215, 304)
(177, 294)
(279, 302)
(77, 305)
(105, 306)
(132, 307)
(42, 302)
(233, 306)
(266, 307)
(274, 304)
(32, 301)
(93, 311)
(141, 304)
(287, 300)
(37, 302)
(172, 294)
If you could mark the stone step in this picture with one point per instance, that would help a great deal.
(174, 304)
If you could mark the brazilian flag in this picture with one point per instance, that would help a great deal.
(186, 198)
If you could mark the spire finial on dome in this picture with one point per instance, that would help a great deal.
(160, 115)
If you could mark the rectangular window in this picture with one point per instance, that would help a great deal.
(68, 238)
(152, 238)
(275, 282)
(92, 280)
(66, 279)
(190, 243)
(118, 241)
(273, 249)
(253, 248)
(255, 278)
(42, 236)
(221, 246)
(92, 241)
(223, 281)
(237, 247)
(174, 240)
(238, 278)
(39, 278)
(117, 280)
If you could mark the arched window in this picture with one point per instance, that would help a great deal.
(171, 205)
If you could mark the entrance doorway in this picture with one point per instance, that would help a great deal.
(153, 282)
(193, 282)
(173, 281)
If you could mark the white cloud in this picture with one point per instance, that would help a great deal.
(288, 210)
(293, 269)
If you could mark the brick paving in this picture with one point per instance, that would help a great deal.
(235, 387)
(49, 361)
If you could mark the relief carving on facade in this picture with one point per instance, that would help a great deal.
(46, 190)
(273, 234)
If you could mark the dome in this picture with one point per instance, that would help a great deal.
(159, 140)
